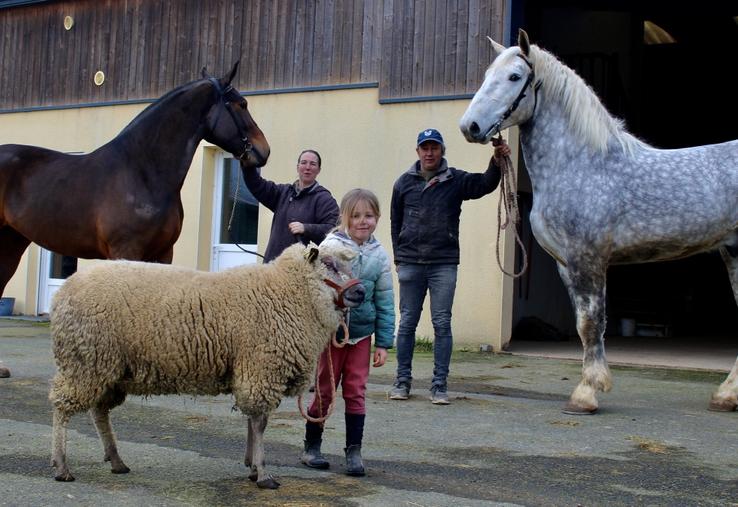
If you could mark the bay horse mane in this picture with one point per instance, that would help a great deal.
(160, 104)
(590, 121)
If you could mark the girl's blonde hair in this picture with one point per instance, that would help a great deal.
(351, 200)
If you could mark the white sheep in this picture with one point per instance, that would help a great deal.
(123, 327)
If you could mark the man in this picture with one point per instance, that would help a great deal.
(426, 206)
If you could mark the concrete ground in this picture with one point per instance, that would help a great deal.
(502, 441)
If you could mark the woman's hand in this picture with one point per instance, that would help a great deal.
(380, 357)
(296, 227)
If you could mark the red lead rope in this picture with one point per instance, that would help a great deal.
(328, 413)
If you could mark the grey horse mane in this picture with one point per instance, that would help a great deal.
(587, 117)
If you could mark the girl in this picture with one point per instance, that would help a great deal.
(359, 213)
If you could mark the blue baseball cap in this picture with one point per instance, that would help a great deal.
(430, 135)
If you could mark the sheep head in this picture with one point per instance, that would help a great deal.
(337, 263)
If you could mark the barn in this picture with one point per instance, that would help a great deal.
(357, 80)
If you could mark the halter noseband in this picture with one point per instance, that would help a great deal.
(495, 128)
(340, 289)
(237, 121)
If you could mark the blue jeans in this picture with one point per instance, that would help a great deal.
(415, 281)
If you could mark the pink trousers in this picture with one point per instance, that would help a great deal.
(350, 371)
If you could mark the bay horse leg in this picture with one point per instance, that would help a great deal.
(586, 286)
(725, 398)
(12, 246)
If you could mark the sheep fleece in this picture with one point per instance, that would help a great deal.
(140, 328)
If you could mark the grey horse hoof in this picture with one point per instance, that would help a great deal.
(268, 483)
(573, 409)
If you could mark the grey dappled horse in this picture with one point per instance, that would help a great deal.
(603, 197)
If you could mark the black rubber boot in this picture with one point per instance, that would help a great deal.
(354, 436)
(312, 457)
(354, 463)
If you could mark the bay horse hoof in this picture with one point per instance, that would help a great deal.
(722, 405)
(268, 483)
(572, 409)
(120, 470)
(4, 373)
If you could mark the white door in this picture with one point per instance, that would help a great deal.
(233, 226)
(53, 270)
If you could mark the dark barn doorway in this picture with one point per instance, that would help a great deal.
(667, 71)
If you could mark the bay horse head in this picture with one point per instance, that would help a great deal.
(231, 126)
(508, 95)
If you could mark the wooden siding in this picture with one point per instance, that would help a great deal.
(411, 48)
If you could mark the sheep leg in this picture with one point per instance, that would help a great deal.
(59, 446)
(101, 417)
(257, 425)
(249, 457)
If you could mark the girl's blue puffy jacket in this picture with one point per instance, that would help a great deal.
(376, 315)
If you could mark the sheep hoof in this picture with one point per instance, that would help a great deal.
(253, 476)
(722, 405)
(572, 409)
(268, 483)
(64, 477)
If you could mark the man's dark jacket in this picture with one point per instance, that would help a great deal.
(425, 215)
(314, 206)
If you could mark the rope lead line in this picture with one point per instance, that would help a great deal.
(508, 205)
(328, 413)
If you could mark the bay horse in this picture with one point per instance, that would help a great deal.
(602, 196)
(121, 201)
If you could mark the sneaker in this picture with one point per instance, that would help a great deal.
(439, 397)
(400, 391)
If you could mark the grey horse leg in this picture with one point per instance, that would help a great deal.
(257, 425)
(586, 288)
(725, 398)
(100, 414)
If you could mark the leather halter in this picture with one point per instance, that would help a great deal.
(237, 121)
(340, 289)
(495, 128)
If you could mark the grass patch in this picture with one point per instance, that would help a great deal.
(423, 344)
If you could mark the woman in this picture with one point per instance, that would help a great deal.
(303, 211)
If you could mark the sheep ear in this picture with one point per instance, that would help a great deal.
(311, 254)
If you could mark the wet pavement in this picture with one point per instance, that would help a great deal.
(502, 441)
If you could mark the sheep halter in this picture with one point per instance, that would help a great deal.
(340, 289)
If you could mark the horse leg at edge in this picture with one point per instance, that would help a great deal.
(725, 398)
(12, 246)
(587, 291)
